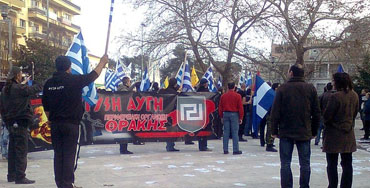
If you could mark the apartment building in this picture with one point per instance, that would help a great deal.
(320, 64)
(41, 19)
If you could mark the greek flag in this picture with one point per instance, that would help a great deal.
(209, 76)
(120, 70)
(179, 74)
(241, 80)
(111, 80)
(186, 85)
(262, 102)
(219, 82)
(145, 82)
(77, 53)
(248, 79)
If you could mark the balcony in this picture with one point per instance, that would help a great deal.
(15, 3)
(37, 13)
(67, 4)
(20, 30)
(68, 25)
(36, 34)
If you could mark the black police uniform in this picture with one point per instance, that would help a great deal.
(62, 98)
(17, 114)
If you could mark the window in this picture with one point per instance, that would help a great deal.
(279, 50)
(67, 16)
(35, 3)
(323, 71)
(22, 23)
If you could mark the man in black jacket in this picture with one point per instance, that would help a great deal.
(62, 101)
(17, 114)
(295, 118)
(171, 89)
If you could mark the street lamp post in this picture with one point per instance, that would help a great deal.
(4, 14)
(142, 48)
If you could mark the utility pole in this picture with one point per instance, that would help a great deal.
(4, 14)
(47, 22)
(142, 48)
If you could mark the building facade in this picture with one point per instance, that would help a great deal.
(320, 65)
(49, 20)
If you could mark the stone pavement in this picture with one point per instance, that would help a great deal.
(151, 166)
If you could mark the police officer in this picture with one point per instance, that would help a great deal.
(203, 87)
(62, 101)
(17, 115)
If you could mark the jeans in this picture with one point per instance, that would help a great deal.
(4, 140)
(331, 169)
(321, 127)
(231, 122)
(304, 154)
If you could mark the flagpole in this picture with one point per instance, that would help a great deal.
(183, 72)
(109, 26)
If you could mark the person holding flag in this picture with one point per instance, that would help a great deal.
(62, 101)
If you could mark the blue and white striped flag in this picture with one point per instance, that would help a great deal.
(219, 82)
(262, 102)
(145, 82)
(248, 79)
(120, 70)
(186, 85)
(241, 80)
(179, 74)
(77, 53)
(209, 76)
(111, 80)
(111, 11)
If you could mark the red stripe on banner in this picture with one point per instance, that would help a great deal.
(36, 102)
(204, 133)
(161, 135)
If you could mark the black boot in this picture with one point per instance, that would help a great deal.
(24, 181)
(270, 148)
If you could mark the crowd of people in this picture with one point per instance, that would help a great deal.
(297, 116)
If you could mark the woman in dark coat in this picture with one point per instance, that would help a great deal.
(339, 136)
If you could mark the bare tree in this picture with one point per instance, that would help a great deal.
(297, 21)
(214, 30)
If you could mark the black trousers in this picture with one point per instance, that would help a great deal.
(65, 138)
(123, 147)
(367, 129)
(202, 144)
(347, 174)
(262, 131)
(18, 148)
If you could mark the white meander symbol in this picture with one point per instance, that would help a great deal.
(190, 112)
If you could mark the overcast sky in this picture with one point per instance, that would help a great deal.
(94, 23)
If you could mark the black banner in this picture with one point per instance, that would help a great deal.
(124, 117)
